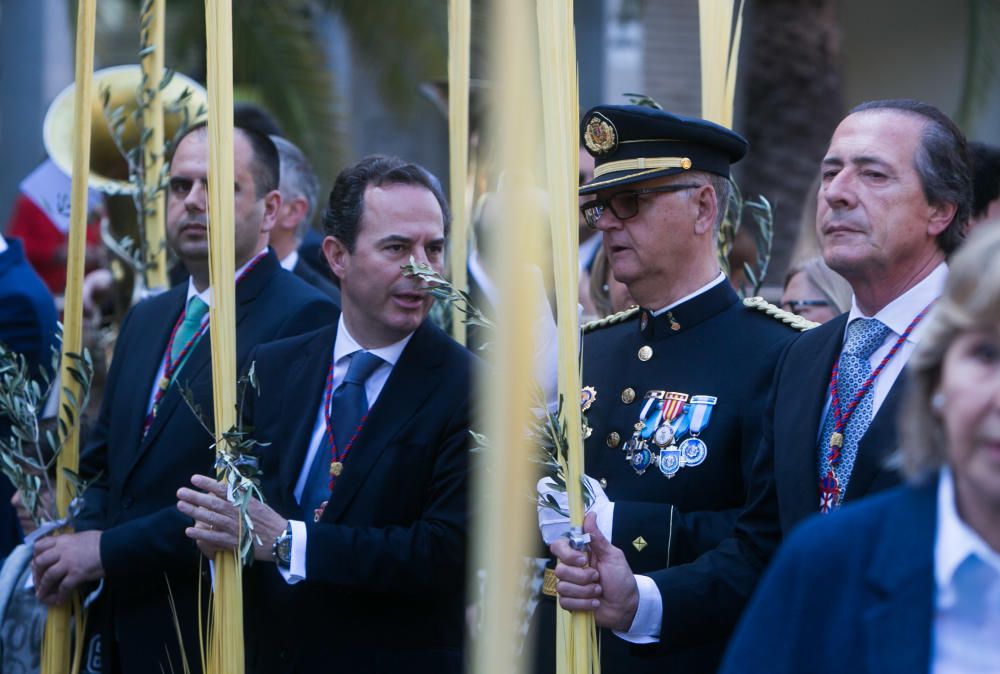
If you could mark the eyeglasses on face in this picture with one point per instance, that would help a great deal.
(795, 305)
(625, 204)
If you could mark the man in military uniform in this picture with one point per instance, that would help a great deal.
(674, 389)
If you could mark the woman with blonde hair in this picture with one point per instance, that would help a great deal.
(907, 580)
(814, 291)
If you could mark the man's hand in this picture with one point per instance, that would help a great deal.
(62, 563)
(607, 587)
(217, 523)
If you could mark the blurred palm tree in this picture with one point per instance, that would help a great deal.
(283, 61)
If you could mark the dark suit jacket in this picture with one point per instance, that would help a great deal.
(385, 565)
(794, 418)
(134, 501)
(850, 592)
(317, 280)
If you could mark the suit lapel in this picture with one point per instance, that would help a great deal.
(897, 627)
(300, 402)
(198, 363)
(796, 454)
(408, 386)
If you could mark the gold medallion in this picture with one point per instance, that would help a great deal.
(628, 395)
(600, 135)
(645, 353)
(336, 468)
(613, 439)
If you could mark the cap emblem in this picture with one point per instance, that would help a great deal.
(600, 135)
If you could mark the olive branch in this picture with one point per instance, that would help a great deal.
(22, 401)
(236, 464)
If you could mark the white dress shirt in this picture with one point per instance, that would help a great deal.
(289, 261)
(344, 346)
(966, 636)
(897, 315)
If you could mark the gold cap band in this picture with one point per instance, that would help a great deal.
(640, 163)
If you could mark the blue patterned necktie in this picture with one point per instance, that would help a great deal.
(348, 406)
(189, 327)
(864, 337)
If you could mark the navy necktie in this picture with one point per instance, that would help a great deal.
(864, 337)
(348, 406)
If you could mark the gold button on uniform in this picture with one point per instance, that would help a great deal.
(639, 544)
(628, 395)
(603, 482)
(613, 439)
(645, 353)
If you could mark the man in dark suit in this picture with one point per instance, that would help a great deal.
(299, 192)
(893, 200)
(678, 385)
(147, 441)
(27, 327)
(367, 577)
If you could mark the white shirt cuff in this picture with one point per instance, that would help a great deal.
(606, 519)
(648, 619)
(296, 570)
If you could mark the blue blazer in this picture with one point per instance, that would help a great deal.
(385, 572)
(850, 592)
(143, 547)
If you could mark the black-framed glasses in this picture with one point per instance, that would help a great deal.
(624, 204)
(795, 305)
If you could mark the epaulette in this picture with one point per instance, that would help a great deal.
(792, 320)
(613, 319)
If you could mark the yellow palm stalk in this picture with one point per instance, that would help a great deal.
(225, 647)
(576, 647)
(152, 119)
(458, 145)
(56, 643)
(720, 48)
(505, 529)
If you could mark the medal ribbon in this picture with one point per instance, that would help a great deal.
(172, 367)
(829, 485)
(701, 412)
(651, 422)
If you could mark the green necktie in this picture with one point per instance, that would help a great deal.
(196, 309)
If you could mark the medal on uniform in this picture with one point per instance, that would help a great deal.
(640, 460)
(673, 405)
(637, 448)
(693, 450)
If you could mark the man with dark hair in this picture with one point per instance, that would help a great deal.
(299, 193)
(985, 182)
(148, 441)
(365, 477)
(894, 196)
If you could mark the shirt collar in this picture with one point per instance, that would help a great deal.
(711, 284)
(206, 294)
(956, 541)
(289, 261)
(899, 313)
(345, 345)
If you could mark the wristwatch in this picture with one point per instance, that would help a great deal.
(281, 551)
